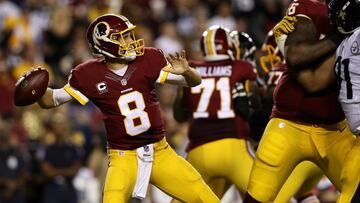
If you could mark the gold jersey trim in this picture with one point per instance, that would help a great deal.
(82, 99)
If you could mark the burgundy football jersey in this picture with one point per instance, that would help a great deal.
(290, 99)
(128, 103)
(210, 103)
(274, 75)
(314, 9)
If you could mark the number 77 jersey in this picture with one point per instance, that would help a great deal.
(129, 104)
(210, 103)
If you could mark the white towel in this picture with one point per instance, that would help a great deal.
(145, 157)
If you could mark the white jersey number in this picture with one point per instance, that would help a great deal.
(131, 114)
(206, 88)
(274, 77)
(292, 8)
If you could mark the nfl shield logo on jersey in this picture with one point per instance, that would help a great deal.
(123, 81)
(101, 87)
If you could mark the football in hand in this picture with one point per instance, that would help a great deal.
(31, 86)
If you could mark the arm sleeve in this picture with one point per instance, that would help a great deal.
(169, 78)
(60, 96)
(82, 99)
(73, 88)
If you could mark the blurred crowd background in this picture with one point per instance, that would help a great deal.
(59, 155)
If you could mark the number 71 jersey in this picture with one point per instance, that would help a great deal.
(212, 98)
(129, 104)
(211, 103)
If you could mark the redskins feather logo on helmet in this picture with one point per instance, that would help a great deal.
(272, 56)
(113, 36)
(101, 31)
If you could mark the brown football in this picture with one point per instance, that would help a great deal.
(31, 87)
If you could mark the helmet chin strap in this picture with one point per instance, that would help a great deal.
(126, 57)
(129, 58)
(104, 52)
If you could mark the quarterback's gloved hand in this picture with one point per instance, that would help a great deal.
(285, 26)
(241, 100)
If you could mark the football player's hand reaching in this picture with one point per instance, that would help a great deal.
(241, 100)
(282, 29)
(285, 26)
(179, 64)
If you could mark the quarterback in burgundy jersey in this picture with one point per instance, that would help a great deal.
(121, 85)
(304, 126)
(130, 98)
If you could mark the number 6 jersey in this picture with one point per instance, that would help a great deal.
(291, 101)
(128, 103)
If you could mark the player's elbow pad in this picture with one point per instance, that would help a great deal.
(242, 106)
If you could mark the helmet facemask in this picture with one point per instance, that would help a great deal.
(243, 47)
(128, 50)
(344, 14)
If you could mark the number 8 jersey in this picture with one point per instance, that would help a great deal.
(128, 103)
(348, 76)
